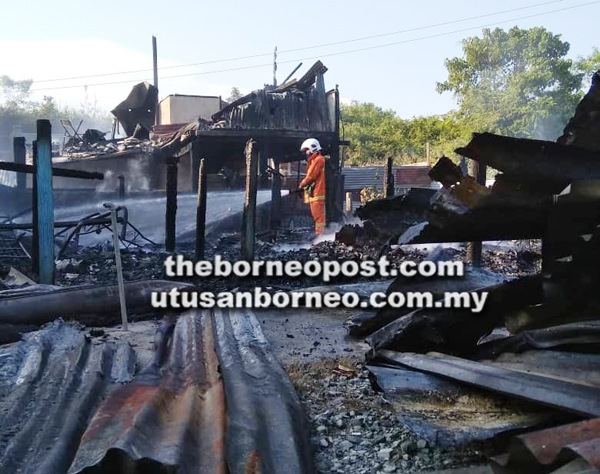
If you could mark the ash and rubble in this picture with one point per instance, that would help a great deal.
(95, 265)
(83, 149)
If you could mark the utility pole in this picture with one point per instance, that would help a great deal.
(155, 61)
(275, 67)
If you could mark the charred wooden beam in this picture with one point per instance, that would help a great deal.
(225, 110)
(363, 325)
(514, 184)
(201, 211)
(457, 331)
(311, 75)
(388, 180)
(474, 249)
(446, 172)
(482, 225)
(61, 172)
(534, 158)
(249, 216)
(171, 205)
(121, 188)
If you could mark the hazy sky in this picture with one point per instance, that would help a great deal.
(44, 40)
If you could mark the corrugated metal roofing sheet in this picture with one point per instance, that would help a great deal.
(573, 397)
(359, 177)
(356, 178)
(550, 448)
(70, 405)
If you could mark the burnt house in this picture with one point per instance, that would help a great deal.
(275, 119)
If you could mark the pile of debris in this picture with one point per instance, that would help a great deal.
(385, 219)
(301, 104)
(531, 357)
(82, 149)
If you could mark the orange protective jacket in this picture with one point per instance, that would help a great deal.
(315, 174)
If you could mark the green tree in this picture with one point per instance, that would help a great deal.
(515, 82)
(372, 131)
(588, 66)
(234, 95)
(14, 93)
(375, 134)
(19, 111)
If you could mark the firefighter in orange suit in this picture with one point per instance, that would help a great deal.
(314, 182)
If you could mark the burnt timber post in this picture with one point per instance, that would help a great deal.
(201, 211)
(19, 157)
(121, 188)
(45, 203)
(155, 68)
(474, 249)
(249, 215)
(332, 181)
(275, 217)
(35, 240)
(171, 213)
(388, 180)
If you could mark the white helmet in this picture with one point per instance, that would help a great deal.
(311, 144)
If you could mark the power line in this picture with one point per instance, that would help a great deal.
(367, 48)
(239, 58)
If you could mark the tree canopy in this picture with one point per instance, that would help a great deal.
(234, 95)
(19, 112)
(515, 82)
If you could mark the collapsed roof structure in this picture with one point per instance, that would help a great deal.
(537, 338)
(277, 119)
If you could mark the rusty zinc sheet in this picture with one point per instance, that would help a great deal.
(546, 450)
(70, 405)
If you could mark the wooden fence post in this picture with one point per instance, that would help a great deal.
(171, 212)
(388, 180)
(201, 211)
(45, 202)
(474, 249)
(249, 216)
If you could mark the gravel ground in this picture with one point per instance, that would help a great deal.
(354, 430)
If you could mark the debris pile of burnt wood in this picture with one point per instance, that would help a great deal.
(385, 219)
(85, 149)
(535, 347)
